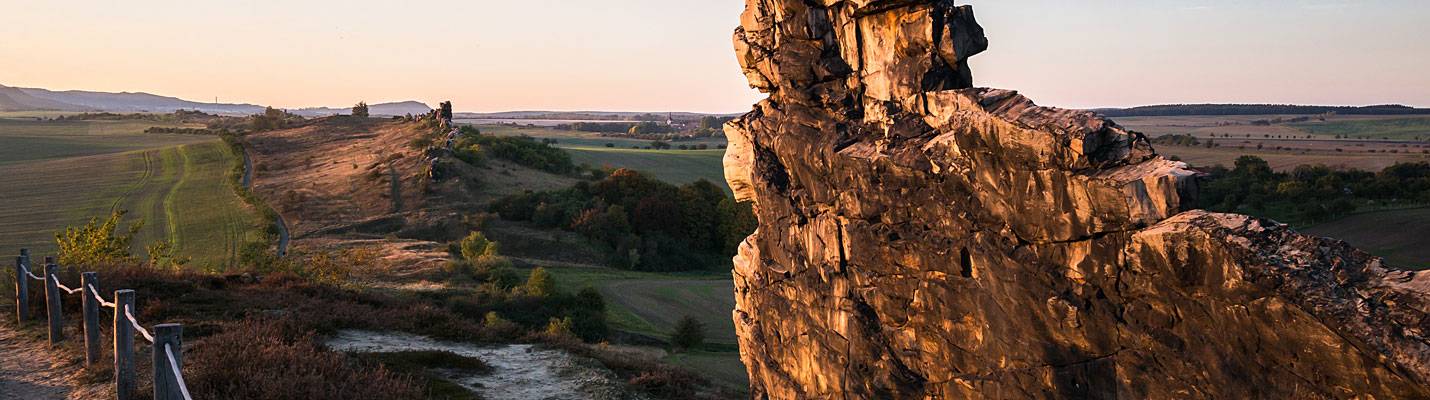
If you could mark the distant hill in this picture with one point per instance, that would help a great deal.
(384, 109)
(15, 99)
(1257, 109)
(127, 102)
(32, 99)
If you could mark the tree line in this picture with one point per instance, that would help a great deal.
(642, 223)
(1310, 193)
(1256, 109)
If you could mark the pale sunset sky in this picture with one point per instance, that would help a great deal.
(675, 55)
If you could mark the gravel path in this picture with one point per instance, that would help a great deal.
(29, 370)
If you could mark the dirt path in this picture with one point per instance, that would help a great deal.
(29, 370)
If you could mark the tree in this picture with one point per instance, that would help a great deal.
(360, 110)
(689, 333)
(737, 221)
(97, 242)
(476, 246)
(541, 284)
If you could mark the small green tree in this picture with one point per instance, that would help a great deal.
(476, 246)
(540, 283)
(97, 242)
(559, 328)
(163, 254)
(360, 110)
(689, 333)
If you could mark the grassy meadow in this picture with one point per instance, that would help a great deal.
(1397, 235)
(61, 173)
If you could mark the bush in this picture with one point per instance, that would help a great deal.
(360, 110)
(495, 325)
(475, 247)
(689, 334)
(540, 283)
(559, 328)
(519, 149)
(96, 242)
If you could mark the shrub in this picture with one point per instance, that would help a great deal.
(96, 242)
(689, 333)
(476, 246)
(495, 326)
(360, 110)
(540, 283)
(559, 328)
(522, 150)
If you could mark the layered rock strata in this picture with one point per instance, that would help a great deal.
(921, 238)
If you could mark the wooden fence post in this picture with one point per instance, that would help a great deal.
(52, 303)
(22, 290)
(89, 282)
(166, 384)
(123, 346)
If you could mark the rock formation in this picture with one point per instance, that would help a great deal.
(921, 238)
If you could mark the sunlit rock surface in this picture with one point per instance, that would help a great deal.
(921, 238)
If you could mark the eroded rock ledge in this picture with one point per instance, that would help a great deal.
(921, 238)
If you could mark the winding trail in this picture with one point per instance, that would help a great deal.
(282, 237)
(282, 225)
(247, 170)
(29, 369)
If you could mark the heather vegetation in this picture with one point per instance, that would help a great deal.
(269, 321)
(643, 223)
(1311, 193)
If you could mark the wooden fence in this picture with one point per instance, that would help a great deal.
(167, 338)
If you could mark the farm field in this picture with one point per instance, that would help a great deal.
(1226, 156)
(28, 140)
(1410, 128)
(1387, 127)
(1398, 235)
(1366, 142)
(674, 166)
(59, 174)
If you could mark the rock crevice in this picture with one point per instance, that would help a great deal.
(923, 238)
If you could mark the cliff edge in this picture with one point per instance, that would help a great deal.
(922, 238)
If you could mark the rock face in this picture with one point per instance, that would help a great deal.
(921, 238)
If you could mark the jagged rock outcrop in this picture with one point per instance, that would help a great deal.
(921, 238)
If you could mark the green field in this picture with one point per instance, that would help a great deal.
(1398, 235)
(25, 141)
(58, 174)
(674, 166)
(1412, 128)
(651, 303)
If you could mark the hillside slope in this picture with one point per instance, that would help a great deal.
(342, 181)
(15, 99)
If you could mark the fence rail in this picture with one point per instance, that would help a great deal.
(166, 339)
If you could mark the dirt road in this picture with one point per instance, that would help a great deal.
(29, 370)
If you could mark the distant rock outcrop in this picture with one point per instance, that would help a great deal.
(920, 238)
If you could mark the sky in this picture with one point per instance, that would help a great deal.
(676, 55)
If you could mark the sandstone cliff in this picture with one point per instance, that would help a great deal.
(920, 238)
